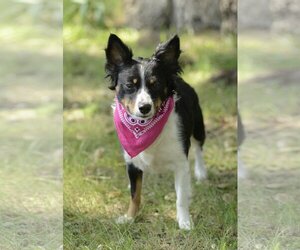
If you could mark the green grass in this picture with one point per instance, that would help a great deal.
(95, 180)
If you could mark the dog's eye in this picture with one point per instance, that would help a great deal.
(152, 80)
(129, 85)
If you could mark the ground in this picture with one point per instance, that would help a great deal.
(95, 180)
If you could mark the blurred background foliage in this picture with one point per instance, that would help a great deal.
(207, 45)
(188, 15)
(104, 14)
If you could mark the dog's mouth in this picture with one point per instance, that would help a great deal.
(136, 113)
(141, 116)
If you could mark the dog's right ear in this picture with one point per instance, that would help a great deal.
(117, 55)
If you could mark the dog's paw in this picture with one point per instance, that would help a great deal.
(200, 176)
(186, 224)
(184, 220)
(124, 219)
(200, 173)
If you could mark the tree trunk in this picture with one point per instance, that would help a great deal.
(228, 10)
(189, 15)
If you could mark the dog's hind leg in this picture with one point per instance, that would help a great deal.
(199, 136)
(183, 193)
(200, 169)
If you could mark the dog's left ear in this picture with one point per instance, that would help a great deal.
(169, 51)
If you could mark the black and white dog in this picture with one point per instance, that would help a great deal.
(142, 85)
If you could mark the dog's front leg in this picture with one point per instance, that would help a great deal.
(135, 177)
(183, 193)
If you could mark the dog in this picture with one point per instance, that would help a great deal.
(156, 114)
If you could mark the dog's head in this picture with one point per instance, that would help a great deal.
(142, 84)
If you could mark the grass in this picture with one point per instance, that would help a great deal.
(269, 106)
(95, 180)
(31, 138)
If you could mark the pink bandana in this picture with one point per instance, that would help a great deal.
(136, 135)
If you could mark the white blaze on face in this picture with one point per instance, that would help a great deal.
(143, 97)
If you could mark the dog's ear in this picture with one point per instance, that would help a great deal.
(168, 51)
(167, 54)
(117, 55)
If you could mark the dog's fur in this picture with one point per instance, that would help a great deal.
(142, 85)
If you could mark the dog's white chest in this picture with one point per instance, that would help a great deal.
(165, 152)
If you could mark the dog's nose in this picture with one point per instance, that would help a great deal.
(145, 108)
